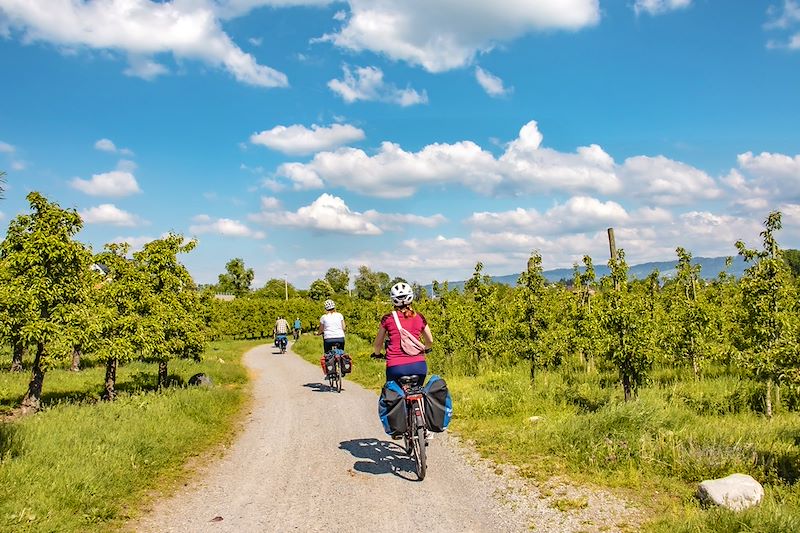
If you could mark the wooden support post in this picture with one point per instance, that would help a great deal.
(612, 244)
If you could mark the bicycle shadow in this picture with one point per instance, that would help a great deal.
(380, 457)
(319, 387)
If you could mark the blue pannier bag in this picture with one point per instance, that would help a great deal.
(438, 404)
(392, 408)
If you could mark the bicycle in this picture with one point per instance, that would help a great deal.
(415, 437)
(416, 433)
(334, 373)
(282, 342)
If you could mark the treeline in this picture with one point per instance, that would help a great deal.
(59, 300)
(612, 325)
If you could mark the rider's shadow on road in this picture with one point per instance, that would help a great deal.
(319, 387)
(380, 457)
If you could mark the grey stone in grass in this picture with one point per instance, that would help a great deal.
(735, 492)
(201, 380)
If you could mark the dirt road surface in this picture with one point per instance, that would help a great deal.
(311, 459)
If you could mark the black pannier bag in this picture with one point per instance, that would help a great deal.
(347, 364)
(392, 409)
(438, 404)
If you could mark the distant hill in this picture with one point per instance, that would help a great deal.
(710, 268)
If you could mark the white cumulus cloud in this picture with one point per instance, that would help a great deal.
(300, 140)
(187, 29)
(223, 226)
(492, 84)
(659, 7)
(327, 213)
(115, 184)
(109, 214)
(441, 35)
(6, 148)
(367, 84)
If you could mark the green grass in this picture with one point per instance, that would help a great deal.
(655, 449)
(86, 465)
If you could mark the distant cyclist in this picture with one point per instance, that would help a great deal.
(298, 327)
(399, 362)
(331, 327)
(281, 328)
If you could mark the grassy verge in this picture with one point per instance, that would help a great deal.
(85, 465)
(656, 448)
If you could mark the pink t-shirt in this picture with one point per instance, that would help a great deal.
(394, 353)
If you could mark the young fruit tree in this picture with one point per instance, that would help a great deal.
(46, 271)
(174, 324)
(769, 322)
(626, 326)
(124, 303)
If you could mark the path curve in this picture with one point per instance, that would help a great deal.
(310, 459)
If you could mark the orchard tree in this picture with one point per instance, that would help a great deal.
(586, 332)
(532, 293)
(174, 324)
(769, 320)
(45, 262)
(483, 313)
(339, 280)
(124, 304)
(625, 322)
(237, 278)
(689, 324)
(320, 290)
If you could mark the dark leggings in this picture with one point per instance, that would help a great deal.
(393, 373)
(327, 344)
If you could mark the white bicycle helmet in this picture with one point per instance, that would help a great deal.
(330, 304)
(402, 294)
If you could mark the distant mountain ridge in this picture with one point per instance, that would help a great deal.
(710, 268)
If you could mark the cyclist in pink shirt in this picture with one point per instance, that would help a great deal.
(399, 362)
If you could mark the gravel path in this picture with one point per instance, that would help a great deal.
(310, 459)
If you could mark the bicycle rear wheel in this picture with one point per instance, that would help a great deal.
(420, 453)
(338, 381)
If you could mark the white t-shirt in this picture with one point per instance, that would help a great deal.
(332, 325)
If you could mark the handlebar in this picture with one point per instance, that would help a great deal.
(378, 356)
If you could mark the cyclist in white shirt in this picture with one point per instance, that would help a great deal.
(331, 327)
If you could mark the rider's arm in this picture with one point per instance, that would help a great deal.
(378, 346)
(319, 330)
(427, 337)
(344, 327)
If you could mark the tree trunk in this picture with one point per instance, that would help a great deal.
(769, 398)
(778, 396)
(162, 374)
(18, 351)
(533, 368)
(33, 398)
(76, 360)
(626, 386)
(110, 393)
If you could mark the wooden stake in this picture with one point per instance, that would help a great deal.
(612, 244)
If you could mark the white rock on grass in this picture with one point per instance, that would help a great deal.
(735, 492)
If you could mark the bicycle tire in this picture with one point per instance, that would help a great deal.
(338, 381)
(420, 453)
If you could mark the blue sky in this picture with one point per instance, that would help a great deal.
(416, 137)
